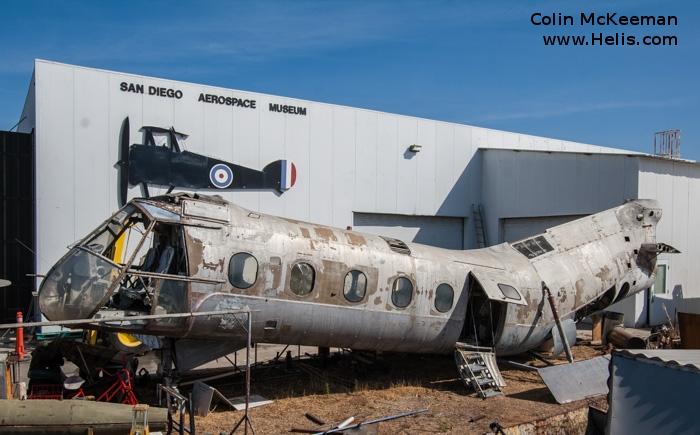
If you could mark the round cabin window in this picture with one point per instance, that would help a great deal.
(355, 286)
(242, 270)
(444, 296)
(402, 292)
(302, 278)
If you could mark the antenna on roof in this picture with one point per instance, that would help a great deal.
(667, 144)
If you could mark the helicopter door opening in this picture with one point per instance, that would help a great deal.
(483, 322)
(147, 289)
(490, 292)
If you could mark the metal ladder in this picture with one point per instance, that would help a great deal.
(477, 368)
(478, 214)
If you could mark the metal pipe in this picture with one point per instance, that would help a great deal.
(374, 421)
(122, 269)
(173, 277)
(555, 314)
(518, 365)
(597, 329)
(19, 336)
(247, 373)
(122, 319)
(190, 410)
(208, 378)
(245, 420)
(623, 338)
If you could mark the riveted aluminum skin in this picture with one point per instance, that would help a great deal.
(594, 260)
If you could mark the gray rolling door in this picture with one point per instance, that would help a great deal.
(445, 232)
(520, 228)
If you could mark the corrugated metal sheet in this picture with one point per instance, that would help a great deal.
(676, 185)
(687, 358)
(649, 394)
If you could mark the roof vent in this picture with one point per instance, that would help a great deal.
(397, 245)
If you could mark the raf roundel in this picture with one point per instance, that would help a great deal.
(221, 176)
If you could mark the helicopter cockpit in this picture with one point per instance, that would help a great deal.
(133, 263)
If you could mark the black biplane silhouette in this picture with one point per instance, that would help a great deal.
(166, 165)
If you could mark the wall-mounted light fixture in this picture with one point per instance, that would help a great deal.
(415, 148)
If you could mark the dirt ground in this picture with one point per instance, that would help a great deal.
(365, 388)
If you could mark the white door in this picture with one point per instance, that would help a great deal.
(659, 297)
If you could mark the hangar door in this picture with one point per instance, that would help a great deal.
(442, 231)
(513, 229)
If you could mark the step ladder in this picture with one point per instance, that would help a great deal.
(478, 369)
(478, 215)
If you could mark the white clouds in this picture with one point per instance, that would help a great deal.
(553, 110)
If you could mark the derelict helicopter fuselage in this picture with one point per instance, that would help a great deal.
(315, 285)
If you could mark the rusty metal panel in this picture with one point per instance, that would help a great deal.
(689, 325)
(217, 212)
(574, 234)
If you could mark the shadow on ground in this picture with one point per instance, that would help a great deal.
(346, 372)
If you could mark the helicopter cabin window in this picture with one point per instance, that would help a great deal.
(402, 292)
(242, 270)
(444, 296)
(509, 292)
(302, 278)
(355, 286)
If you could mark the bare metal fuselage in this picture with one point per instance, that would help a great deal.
(588, 264)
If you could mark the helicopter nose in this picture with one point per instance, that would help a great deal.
(77, 286)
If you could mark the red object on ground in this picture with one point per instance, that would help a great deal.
(120, 389)
(19, 343)
(46, 391)
(74, 394)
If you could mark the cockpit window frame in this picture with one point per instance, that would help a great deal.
(100, 256)
(151, 210)
(98, 228)
(125, 268)
(106, 235)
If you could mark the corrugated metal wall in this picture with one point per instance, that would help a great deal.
(348, 160)
(676, 185)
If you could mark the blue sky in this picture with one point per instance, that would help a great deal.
(479, 63)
